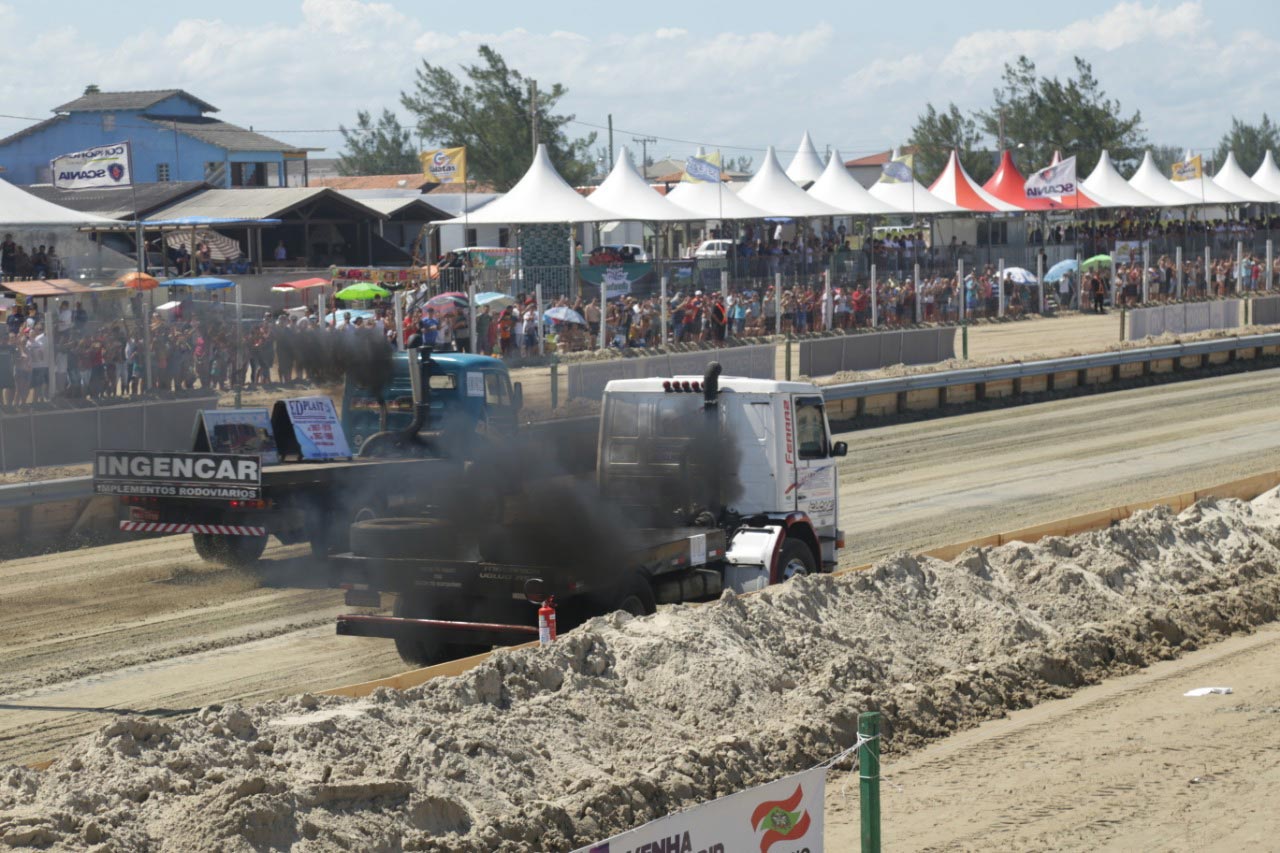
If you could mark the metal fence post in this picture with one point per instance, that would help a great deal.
(1146, 268)
(1240, 267)
(777, 303)
(1000, 288)
(828, 303)
(477, 346)
(1115, 282)
(1270, 260)
(537, 298)
(555, 381)
(724, 287)
(869, 779)
(1040, 282)
(916, 283)
(1208, 269)
(875, 303)
(1177, 263)
(662, 319)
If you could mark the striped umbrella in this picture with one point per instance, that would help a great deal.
(221, 247)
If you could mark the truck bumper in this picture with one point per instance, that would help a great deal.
(182, 527)
(395, 627)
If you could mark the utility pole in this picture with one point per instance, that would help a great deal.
(644, 142)
(533, 114)
(610, 142)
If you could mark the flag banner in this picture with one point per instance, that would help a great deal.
(1188, 170)
(1054, 182)
(93, 168)
(702, 170)
(445, 165)
(899, 170)
(780, 817)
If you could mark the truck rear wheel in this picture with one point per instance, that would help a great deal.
(236, 551)
(795, 558)
(404, 537)
(636, 597)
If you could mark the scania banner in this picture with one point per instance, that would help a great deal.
(445, 165)
(1054, 182)
(93, 168)
(781, 817)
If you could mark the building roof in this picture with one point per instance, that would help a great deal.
(27, 131)
(221, 133)
(879, 159)
(412, 181)
(119, 203)
(412, 208)
(140, 100)
(260, 203)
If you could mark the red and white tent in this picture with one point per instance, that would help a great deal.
(957, 187)
(1009, 185)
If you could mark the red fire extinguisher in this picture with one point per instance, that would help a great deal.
(547, 621)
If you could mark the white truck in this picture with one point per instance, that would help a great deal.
(724, 483)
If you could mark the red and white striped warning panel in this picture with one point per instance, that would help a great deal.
(163, 527)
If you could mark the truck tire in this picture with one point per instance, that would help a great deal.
(237, 552)
(795, 558)
(420, 651)
(329, 534)
(404, 537)
(635, 597)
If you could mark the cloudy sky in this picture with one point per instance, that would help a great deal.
(737, 76)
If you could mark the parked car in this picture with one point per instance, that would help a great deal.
(714, 249)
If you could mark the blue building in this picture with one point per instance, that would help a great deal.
(173, 139)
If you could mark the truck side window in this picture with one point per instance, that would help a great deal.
(811, 428)
(496, 392)
(443, 381)
(624, 418)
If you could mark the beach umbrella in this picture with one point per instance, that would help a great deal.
(494, 299)
(137, 281)
(446, 303)
(221, 247)
(1061, 268)
(1097, 261)
(1018, 275)
(362, 290)
(564, 314)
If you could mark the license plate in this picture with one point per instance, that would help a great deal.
(140, 514)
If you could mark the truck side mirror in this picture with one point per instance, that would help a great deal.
(839, 449)
(517, 396)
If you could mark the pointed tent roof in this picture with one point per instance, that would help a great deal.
(1234, 180)
(1205, 191)
(1008, 185)
(770, 189)
(911, 197)
(806, 166)
(1268, 175)
(19, 207)
(626, 193)
(839, 189)
(1081, 200)
(1148, 181)
(714, 201)
(540, 196)
(956, 186)
(1107, 184)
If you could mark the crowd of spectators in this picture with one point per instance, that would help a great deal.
(18, 262)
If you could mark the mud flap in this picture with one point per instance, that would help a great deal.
(750, 558)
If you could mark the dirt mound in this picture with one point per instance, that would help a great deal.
(627, 719)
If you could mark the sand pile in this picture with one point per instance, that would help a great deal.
(627, 719)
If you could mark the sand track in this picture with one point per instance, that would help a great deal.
(148, 626)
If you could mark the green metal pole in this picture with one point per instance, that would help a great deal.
(964, 340)
(869, 780)
(1122, 312)
(788, 346)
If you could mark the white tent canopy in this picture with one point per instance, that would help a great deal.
(626, 193)
(1268, 175)
(1233, 179)
(1205, 191)
(1111, 189)
(806, 166)
(841, 190)
(19, 208)
(713, 201)
(770, 189)
(540, 196)
(1148, 181)
(911, 197)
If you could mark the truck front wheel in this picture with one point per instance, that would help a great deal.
(795, 558)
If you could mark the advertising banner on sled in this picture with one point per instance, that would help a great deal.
(781, 817)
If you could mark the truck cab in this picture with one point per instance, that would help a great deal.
(471, 388)
(763, 452)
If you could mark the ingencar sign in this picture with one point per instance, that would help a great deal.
(211, 476)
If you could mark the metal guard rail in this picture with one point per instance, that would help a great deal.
(1022, 370)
